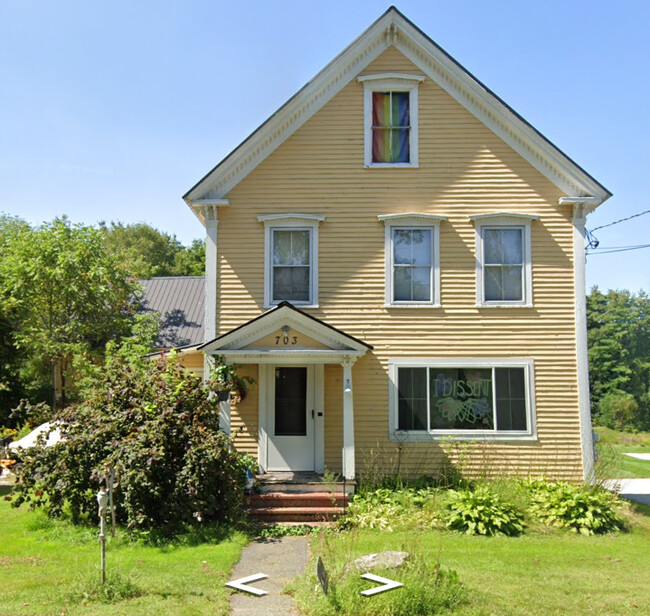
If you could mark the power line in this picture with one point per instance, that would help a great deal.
(622, 249)
(616, 222)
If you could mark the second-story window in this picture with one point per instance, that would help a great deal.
(291, 259)
(291, 279)
(412, 258)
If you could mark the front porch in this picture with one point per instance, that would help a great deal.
(290, 351)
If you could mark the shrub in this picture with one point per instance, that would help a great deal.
(618, 410)
(578, 508)
(480, 512)
(155, 426)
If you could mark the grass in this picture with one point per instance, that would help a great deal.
(612, 445)
(50, 567)
(537, 574)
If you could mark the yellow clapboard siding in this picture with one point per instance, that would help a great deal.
(465, 169)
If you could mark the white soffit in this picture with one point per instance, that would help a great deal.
(393, 28)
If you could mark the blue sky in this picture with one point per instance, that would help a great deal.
(113, 110)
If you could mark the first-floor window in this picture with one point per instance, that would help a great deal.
(457, 399)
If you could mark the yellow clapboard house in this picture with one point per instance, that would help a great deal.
(397, 259)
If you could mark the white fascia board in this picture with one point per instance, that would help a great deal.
(289, 356)
(393, 29)
(204, 209)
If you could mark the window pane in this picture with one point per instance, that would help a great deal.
(291, 401)
(412, 284)
(291, 283)
(381, 108)
(402, 246)
(511, 398)
(412, 398)
(503, 246)
(290, 247)
(461, 399)
(503, 283)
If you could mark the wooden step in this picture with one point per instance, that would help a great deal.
(296, 499)
(268, 487)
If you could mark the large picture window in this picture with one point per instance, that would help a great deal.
(464, 398)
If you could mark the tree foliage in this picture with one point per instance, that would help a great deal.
(61, 292)
(618, 324)
(155, 425)
(145, 252)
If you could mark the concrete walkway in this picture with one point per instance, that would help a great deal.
(635, 489)
(281, 560)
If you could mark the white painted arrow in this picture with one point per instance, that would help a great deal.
(240, 584)
(387, 584)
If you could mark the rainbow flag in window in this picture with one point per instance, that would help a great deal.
(390, 127)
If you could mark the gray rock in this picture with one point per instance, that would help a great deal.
(383, 560)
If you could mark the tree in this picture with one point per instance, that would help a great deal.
(145, 252)
(618, 324)
(63, 294)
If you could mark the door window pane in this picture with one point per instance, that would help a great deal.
(290, 401)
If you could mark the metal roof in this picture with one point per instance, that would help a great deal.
(179, 301)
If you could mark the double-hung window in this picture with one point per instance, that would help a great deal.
(291, 258)
(391, 119)
(412, 259)
(470, 398)
(504, 262)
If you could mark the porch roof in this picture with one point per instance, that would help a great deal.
(316, 342)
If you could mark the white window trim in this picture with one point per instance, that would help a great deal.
(390, 82)
(294, 222)
(505, 220)
(465, 435)
(412, 221)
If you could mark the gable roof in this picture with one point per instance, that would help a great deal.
(393, 28)
(285, 314)
(179, 302)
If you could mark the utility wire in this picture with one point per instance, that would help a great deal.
(624, 249)
(616, 222)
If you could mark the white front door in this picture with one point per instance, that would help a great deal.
(290, 419)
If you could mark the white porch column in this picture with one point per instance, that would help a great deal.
(584, 402)
(348, 420)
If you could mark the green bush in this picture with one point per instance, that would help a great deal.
(618, 410)
(427, 590)
(155, 425)
(480, 512)
(579, 508)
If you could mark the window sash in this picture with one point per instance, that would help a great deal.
(390, 127)
(501, 406)
(414, 263)
(292, 265)
(504, 273)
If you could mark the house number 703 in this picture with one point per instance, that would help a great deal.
(293, 340)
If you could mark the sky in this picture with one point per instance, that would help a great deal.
(112, 110)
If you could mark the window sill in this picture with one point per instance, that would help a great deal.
(296, 304)
(413, 305)
(428, 437)
(391, 166)
(504, 305)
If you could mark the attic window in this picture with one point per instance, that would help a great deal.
(391, 119)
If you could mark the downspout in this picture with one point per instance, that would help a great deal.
(580, 205)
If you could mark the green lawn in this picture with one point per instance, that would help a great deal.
(612, 446)
(51, 568)
(536, 574)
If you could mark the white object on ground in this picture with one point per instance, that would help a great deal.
(30, 440)
(639, 456)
